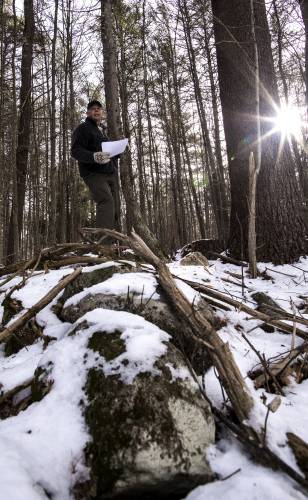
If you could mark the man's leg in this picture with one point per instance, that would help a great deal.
(102, 195)
(115, 190)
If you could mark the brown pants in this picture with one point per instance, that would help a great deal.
(104, 189)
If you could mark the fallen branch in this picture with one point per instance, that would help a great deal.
(280, 272)
(288, 316)
(227, 280)
(200, 324)
(229, 260)
(234, 275)
(20, 322)
(20, 270)
(252, 312)
(276, 369)
(300, 450)
(74, 260)
(49, 254)
(25, 278)
(268, 306)
(268, 373)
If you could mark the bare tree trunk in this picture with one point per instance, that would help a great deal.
(24, 122)
(279, 227)
(140, 157)
(252, 217)
(53, 165)
(2, 158)
(174, 138)
(14, 213)
(73, 176)
(304, 11)
(114, 121)
(254, 166)
(216, 183)
(301, 162)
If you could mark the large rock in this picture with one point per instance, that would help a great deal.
(87, 279)
(156, 311)
(150, 427)
(194, 259)
(206, 247)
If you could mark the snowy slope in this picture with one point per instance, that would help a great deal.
(41, 447)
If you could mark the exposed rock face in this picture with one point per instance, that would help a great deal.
(194, 259)
(140, 426)
(88, 279)
(156, 311)
(203, 246)
(149, 433)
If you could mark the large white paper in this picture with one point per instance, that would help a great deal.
(114, 147)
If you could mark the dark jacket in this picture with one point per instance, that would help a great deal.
(86, 140)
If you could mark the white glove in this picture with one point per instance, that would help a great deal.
(101, 157)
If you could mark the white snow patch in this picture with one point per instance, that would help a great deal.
(142, 284)
(46, 440)
(144, 342)
(181, 373)
(251, 482)
(20, 367)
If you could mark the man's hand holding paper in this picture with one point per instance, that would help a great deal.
(114, 148)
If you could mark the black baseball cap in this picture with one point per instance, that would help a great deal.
(94, 103)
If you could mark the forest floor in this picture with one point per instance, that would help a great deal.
(39, 445)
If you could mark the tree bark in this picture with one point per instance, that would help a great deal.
(279, 227)
(216, 181)
(114, 121)
(53, 166)
(303, 165)
(304, 11)
(23, 139)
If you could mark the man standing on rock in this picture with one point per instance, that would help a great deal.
(97, 169)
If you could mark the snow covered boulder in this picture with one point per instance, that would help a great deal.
(194, 259)
(138, 293)
(93, 276)
(149, 425)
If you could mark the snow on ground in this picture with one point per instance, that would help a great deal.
(248, 482)
(15, 370)
(41, 446)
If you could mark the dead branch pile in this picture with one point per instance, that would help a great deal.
(65, 254)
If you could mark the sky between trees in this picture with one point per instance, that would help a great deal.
(173, 179)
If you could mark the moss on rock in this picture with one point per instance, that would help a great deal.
(108, 345)
(157, 312)
(138, 448)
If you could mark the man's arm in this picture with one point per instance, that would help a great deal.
(79, 147)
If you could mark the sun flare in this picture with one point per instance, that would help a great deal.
(288, 121)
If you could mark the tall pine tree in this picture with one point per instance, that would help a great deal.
(280, 231)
